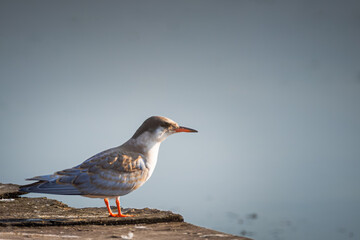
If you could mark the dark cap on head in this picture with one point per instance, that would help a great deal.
(152, 123)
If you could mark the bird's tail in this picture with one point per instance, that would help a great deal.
(28, 188)
(50, 187)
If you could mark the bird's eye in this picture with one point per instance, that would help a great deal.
(165, 125)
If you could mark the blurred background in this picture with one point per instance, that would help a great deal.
(273, 87)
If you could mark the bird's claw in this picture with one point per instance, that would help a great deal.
(120, 215)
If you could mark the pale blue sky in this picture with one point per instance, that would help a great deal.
(272, 86)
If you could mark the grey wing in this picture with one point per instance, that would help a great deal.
(110, 173)
(114, 174)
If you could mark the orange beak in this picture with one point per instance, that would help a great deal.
(184, 129)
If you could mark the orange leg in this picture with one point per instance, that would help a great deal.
(108, 208)
(118, 207)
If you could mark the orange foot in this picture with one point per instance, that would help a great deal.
(120, 215)
(111, 214)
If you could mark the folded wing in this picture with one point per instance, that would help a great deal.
(110, 173)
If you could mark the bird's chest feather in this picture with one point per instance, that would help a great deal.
(149, 143)
(151, 158)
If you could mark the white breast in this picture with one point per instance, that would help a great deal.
(150, 143)
(151, 159)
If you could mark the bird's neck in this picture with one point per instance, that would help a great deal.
(148, 147)
(143, 144)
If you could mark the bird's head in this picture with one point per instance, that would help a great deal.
(158, 129)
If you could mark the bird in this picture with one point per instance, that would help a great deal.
(114, 172)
